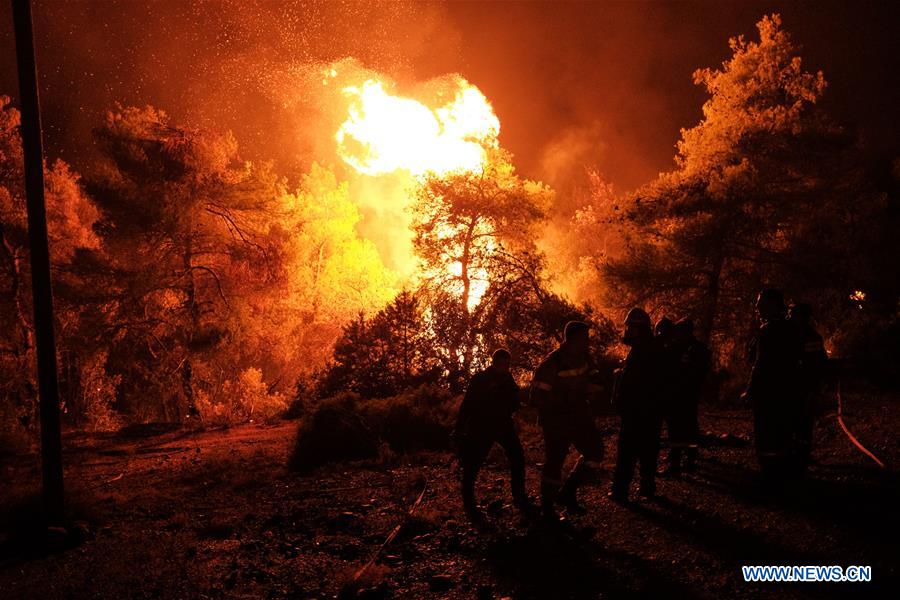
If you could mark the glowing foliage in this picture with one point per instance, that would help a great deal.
(333, 268)
(465, 222)
(71, 217)
(762, 88)
(761, 197)
(331, 273)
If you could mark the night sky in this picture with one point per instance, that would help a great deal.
(605, 84)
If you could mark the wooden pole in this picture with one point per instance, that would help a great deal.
(48, 387)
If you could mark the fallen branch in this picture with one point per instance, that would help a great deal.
(163, 449)
(108, 481)
(390, 538)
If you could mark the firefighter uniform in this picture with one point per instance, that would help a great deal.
(485, 418)
(812, 367)
(561, 390)
(775, 395)
(638, 404)
(691, 363)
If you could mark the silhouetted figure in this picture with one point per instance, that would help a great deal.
(638, 403)
(773, 390)
(813, 365)
(691, 364)
(663, 335)
(561, 389)
(485, 417)
(663, 330)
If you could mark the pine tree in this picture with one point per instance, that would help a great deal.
(752, 180)
(184, 225)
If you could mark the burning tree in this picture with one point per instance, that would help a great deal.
(184, 226)
(332, 273)
(71, 216)
(483, 283)
(754, 181)
(473, 230)
(219, 283)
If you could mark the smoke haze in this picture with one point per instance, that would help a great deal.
(605, 84)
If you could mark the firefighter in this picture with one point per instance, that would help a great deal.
(813, 364)
(638, 404)
(773, 389)
(663, 330)
(691, 364)
(663, 335)
(561, 389)
(485, 417)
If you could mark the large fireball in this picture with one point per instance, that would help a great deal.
(385, 132)
(396, 140)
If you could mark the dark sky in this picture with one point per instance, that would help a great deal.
(594, 83)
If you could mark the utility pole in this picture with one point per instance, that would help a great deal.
(48, 386)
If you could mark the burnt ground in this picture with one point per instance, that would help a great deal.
(215, 513)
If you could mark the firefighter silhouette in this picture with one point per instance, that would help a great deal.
(637, 401)
(485, 418)
(561, 389)
(812, 370)
(775, 391)
(689, 365)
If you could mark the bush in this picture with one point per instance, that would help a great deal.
(333, 433)
(98, 393)
(247, 398)
(347, 427)
(870, 346)
(419, 419)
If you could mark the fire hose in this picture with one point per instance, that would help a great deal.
(390, 538)
(856, 442)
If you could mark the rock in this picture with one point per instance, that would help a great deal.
(440, 582)
(376, 592)
(344, 519)
(81, 532)
(57, 539)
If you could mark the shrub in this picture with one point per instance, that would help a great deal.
(246, 398)
(419, 419)
(347, 427)
(871, 346)
(334, 432)
(98, 393)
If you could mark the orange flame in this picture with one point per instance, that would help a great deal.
(385, 132)
(396, 137)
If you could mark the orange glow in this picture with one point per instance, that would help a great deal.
(401, 139)
(385, 132)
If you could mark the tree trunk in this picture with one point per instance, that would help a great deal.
(713, 291)
(191, 305)
(467, 290)
(464, 266)
(23, 350)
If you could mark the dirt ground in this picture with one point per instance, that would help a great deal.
(213, 514)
